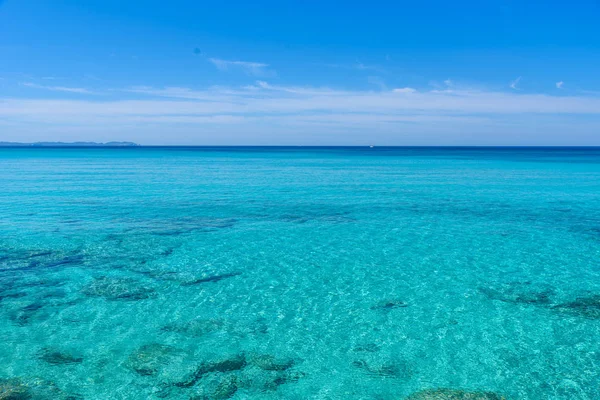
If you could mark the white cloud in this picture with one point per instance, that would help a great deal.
(296, 110)
(363, 67)
(515, 83)
(252, 68)
(404, 90)
(265, 98)
(377, 81)
(559, 85)
(58, 88)
(356, 66)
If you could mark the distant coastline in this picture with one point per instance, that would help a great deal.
(68, 144)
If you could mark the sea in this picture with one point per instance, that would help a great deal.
(384, 273)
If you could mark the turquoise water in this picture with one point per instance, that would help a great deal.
(239, 273)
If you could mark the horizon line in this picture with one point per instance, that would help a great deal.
(49, 145)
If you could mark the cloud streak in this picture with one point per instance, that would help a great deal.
(57, 88)
(264, 98)
(251, 68)
(265, 107)
(514, 84)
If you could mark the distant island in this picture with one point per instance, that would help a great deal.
(71, 144)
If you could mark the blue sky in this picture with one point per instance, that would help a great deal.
(311, 72)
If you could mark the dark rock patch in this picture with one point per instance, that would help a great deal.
(65, 261)
(226, 388)
(32, 389)
(213, 278)
(197, 327)
(288, 377)
(14, 389)
(167, 252)
(11, 295)
(386, 305)
(148, 359)
(234, 363)
(587, 307)
(21, 255)
(268, 362)
(118, 289)
(259, 326)
(41, 261)
(268, 381)
(368, 348)
(383, 370)
(58, 357)
(184, 226)
(302, 218)
(540, 296)
(172, 232)
(453, 394)
(520, 293)
(54, 294)
(23, 316)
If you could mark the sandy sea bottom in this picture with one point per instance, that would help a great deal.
(421, 274)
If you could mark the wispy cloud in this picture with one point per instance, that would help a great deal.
(265, 98)
(57, 88)
(514, 84)
(359, 66)
(363, 67)
(559, 85)
(301, 111)
(252, 68)
(405, 90)
(377, 81)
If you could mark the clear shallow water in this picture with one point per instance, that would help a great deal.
(299, 273)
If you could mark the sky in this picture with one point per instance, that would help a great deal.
(307, 72)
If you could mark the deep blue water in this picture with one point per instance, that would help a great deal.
(300, 273)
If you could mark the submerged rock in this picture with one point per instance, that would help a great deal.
(520, 293)
(24, 260)
(148, 359)
(256, 379)
(541, 296)
(453, 394)
(14, 389)
(587, 307)
(302, 217)
(16, 295)
(32, 389)
(57, 357)
(234, 363)
(216, 388)
(384, 370)
(368, 347)
(226, 388)
(184, 226)
(270, 363)
(197, 327)
(71, 260)
(23, 316)
(287, 377)
(118, 289)
(389, 305)
(208, 279)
